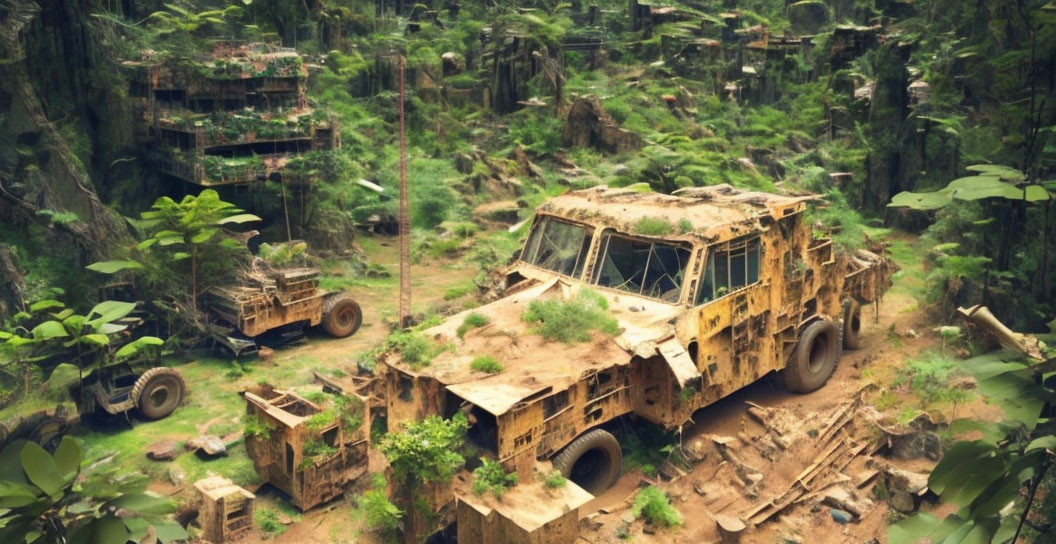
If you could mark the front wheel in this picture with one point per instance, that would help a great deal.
(815, 357)
(158, 392)
(592, 461)
(341, 316)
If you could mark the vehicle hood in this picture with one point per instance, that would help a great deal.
(532, 366)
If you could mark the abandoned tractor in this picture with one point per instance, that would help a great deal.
(286, 299)
(711, 288)
(119, 388)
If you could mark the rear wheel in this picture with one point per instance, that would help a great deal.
(158, 392)
(341, 316)
(592, 461)
(815, 357)
(852, 325)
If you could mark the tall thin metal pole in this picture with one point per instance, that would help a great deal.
(405, 223)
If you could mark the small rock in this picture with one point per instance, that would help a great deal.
(162, 451)
(176, 475)
(265, 353)
(649, 530)
(627, 517)
(840, 516)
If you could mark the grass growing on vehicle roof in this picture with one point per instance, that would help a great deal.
(573, 320)
(654, 505)
(486, 364)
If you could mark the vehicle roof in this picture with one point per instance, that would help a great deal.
(716, 212)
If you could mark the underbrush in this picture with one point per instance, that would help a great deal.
(571, 321)
(472, 321)
(417, 350)
(486, 364)
(490, 476)
(929, 377)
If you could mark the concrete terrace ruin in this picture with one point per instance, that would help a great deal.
(238, 115)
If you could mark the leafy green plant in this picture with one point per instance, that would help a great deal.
(254, 426)
(43, 504)
(684, 226)
(571, 321)
(929, 378)
(472, 321)
(380, 514)
(653, 504)
(654, 226)
(486, 364)
(426, 451)
(555, 480)
(490, 476)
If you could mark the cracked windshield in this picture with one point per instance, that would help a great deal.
(558, 246)
(646, 268)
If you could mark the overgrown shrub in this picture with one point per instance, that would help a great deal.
(427, 450)
(379, 513)
(268, 521)
(929, 378)
(571, 320)
(653, 504)
(490, 476)
(555, 480)
(416, 348)
(486, 364)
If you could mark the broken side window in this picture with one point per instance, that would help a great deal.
(558, 246)
(647, 268)
(730, 267)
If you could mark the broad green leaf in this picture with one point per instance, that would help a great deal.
(1003, 172)
(143, 503)
(170, 240)
(920, 526)
(240, 218)
(1044, 442)
(170, 531)
(113, 267)
(961, 454)
(145, 244)
(48, 330)
(110, 328)
(137, 345)
(180, 255)
(1037, 193)
(40, 468)
(980, 187)
(108, 311)
(204, 236)
(920, 201)
(68, 457)
(98, 340)
(108, 530)
(61, 316)
(44, 305)
(13, 495)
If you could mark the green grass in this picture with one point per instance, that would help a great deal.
(654, 226)
(268, 522)
(486, 364)
(472, 321)
(555, 480)
(652, 504)
(416, 348)
(490, 476)
(459, 291)
(571, 321)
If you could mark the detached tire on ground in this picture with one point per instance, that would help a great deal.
(815, 357)
(852, 325)
(341, 316)
(158, 392)
(592, 461)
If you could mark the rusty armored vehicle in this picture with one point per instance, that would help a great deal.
(739, 287)
(269, 299)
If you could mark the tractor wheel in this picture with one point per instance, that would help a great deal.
(592, 461)
(341, 316)
(158, 392)
(815, 357)
(852, 325)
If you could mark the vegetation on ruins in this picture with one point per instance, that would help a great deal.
(573, 320)
(491, 477)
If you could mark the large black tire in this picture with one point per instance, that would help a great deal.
(158, 392)
(592, 461)
(852, 325)
(815, 357)
(341, 316)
